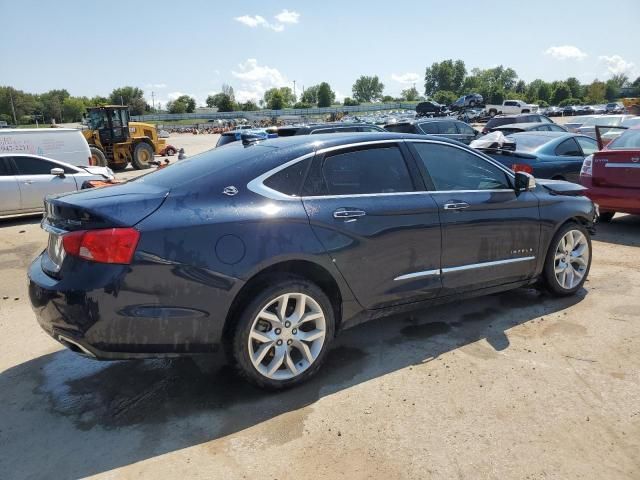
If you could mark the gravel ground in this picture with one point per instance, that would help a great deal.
(515, 385)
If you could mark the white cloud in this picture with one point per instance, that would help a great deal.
(251, 21)
(407, 78)
(616, 64)
(256, 79)
(565, 52)
(156, 86)
(285, 16)
(340, 96)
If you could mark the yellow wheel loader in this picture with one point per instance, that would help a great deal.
(114, 141)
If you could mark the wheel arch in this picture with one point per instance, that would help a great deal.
(306, 269)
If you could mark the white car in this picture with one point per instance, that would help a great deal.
(511, 107)
(26, 179)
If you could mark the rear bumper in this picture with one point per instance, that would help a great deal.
(624, 200)
(131, 311)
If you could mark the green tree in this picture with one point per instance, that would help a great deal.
(575, 86)
(446, 75)
(560, 93)
(620, 80)
(521, 87)
(310, 95)
(97, 101)
(182, 104)
(72, 109)
(612, 90)
(284, 98)
(300, 105)
(596, 92)
(367, 89)
(491, 83)
(52, 104)
(444, 97)
(326, 96)
(249, 106)
(410, 94)
(228, 91)
(387, 99)
(222, 101)
(350, 102)
(544, 92)
(131, 96)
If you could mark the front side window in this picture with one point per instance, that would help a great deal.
(372, 170)
(33, 166)
(465, 129)
(448, 128)
(5, 169)
(429, 127)
(452, 168)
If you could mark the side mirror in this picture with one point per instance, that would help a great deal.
(477, 132)
(57, 172)
(525, 182)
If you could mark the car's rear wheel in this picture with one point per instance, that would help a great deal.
(568, 260)
(605, 217)
(282, 336)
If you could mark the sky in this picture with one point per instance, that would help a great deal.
(192, 47)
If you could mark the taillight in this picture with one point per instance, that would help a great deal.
(110, 245)
(522, 167)
(587, 167)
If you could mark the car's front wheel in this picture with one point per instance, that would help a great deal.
(568, 260)
(282, 336)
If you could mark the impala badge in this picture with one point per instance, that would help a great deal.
(635, 159)
(230, 190)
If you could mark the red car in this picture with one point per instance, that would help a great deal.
(612, 175)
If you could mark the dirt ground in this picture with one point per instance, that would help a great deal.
(517, 385)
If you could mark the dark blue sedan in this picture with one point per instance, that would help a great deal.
(554, 155)
(269, 248)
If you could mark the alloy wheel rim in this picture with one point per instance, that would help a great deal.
(287, 336)
(571, 259)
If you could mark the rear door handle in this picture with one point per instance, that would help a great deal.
(343, 213)
(456, 206)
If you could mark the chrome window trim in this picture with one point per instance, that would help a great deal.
(257, 184)
(470, 266)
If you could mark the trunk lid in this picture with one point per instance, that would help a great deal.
(121, 205)
(617, 168)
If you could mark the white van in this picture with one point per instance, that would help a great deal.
(62, 144)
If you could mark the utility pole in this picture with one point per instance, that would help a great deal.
(121, 100)
(153, 101)
(13, 108)
(294, 89)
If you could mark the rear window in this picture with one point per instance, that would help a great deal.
(287, 132)
(528, 143)
(401, 128)
(429, 127)
(499, 121)
(629, 140)
(289, 180)
(603, 121)
(224, 139)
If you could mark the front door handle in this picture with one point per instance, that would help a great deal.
(456, 206)
(343, 213)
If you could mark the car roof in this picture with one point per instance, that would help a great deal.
(523, 125)
(546, 134)
(514, 115)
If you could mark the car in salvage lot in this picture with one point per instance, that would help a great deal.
(26, 179)
(442, 127)
(311, 236)
(552, 155)
(612, 174)
(529, 127)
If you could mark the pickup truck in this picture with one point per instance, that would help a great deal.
(510, 107)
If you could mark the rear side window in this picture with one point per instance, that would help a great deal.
(289, 180)
(447, 128)
(588, 145)
(401, 128)
(5, 169)
(224, 139)
(568, 148)
(452, 168)
(324, 130)
(33, 166)
(370, 129)
(429, 127)
(629, 140)
(464, 128)
(498, 122)
(372, 170)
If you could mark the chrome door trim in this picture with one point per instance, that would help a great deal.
(622, 165)
(487, 264)
(424, 273)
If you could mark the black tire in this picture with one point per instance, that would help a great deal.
(269, 291)
(605, 217)
(472, 103)
(98, 158)
(118, 167)
(142, 156)
(548, 273)
(492, 113)
(170, 151)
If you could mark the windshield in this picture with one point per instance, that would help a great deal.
(603, 121)
(527, 142)
(97, 119)
(629, 140)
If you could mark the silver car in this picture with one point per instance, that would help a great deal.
(26, 179)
